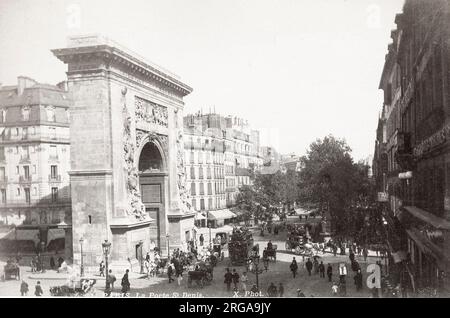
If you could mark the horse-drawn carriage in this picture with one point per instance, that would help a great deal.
(11, 270)
(202, 275)
(270, 252)
(241, 247)
(81, 288)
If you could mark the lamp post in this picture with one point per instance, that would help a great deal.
(106, 246)
(168, 246)
(254, 259)
(82, 263)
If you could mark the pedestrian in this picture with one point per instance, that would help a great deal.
(365, 254)
(343, 289)
(112, 279)
(228, 279)
(102, 269)
(179, 273)
(316, 265)
(334, 250)
(322, 270)
(254, 290)
(309, 266)
(170, 272)
(293, 267)
(244, 280)
(358, 280)
(125, 283)
(272, 290)
(38, 289)
(33, 264)
(334, 289)
(235, 279)
(329, 272)
(281, 289)
(147, 257)
(351, 256)
(24, 288)
(52, 263)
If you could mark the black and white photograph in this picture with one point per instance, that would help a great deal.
(242, 149)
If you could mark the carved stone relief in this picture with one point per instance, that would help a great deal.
(135, 207)
(151, 113)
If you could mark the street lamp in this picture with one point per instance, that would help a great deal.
(168, 246)
(82, 263)
(106, 246)
(254, 259)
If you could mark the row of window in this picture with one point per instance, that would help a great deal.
(218, 188)
(25, 114)
(24, 151)
(206, 157)
(27, 192)
(26, 172)
(218, 173)
(212, 204)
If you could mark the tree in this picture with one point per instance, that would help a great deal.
(332, 181)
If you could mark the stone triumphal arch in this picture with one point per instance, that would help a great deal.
(127, 169)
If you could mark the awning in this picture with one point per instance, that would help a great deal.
(429, 218)
(199, 216)
(8, 235)
(54, 234)
(429, 248)
(21, 235)
(221, 214)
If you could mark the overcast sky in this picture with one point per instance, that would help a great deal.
(296, 69)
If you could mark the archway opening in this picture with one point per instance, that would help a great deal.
(150, 159)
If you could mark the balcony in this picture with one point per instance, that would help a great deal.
(25, 179)
(55, 178)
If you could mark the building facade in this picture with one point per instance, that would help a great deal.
(416, 106)
(127, 153)
(35, 206)
(221, 154)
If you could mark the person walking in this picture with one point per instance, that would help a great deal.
(38, 289)
(322, 270)
(365, 254)
(358, 280)
(179, 273)
(33, 264)
(24, 288)
(202, 239)
(309, 266)
(244, 280)
(102, 269)
(52, 263)
(281, 289)
(334, 249)
(112, 279)
(316, 265)
(125, 283)
(235, 279)
(272, 290)
(170, 272)
(293, 267)
(329, 272)
(228, 279)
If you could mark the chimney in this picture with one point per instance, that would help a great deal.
(24, 82)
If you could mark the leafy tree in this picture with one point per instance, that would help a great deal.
(332, 181)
